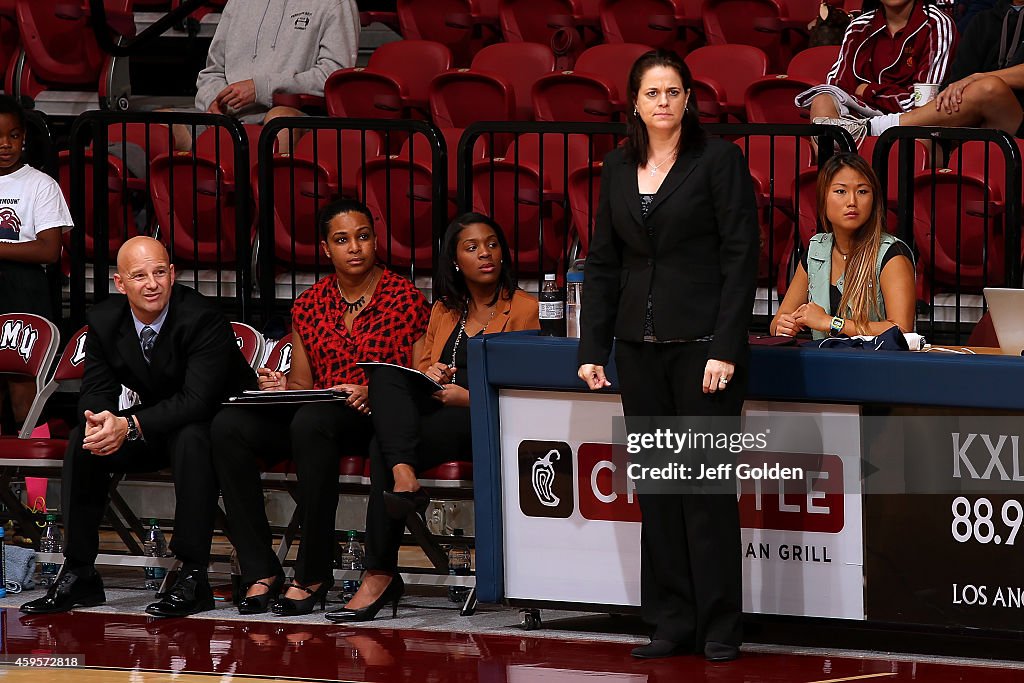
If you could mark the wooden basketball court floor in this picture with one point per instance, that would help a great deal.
(133, 648)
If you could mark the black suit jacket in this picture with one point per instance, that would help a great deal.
(700, 264)
(196, 363)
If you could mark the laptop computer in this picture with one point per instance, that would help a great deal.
(1006, 306)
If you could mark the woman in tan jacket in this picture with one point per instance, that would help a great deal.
(416, 429)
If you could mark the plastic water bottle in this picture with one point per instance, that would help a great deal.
(154, 545)
(552, 308)
(51, 541)
(352, 558)
(573, 303)
(460, 563)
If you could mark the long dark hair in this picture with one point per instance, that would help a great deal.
(693, 135)
(860, 276)
(450, 285)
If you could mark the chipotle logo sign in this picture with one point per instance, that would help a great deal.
(812, 503)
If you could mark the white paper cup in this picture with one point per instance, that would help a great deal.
(925, 93)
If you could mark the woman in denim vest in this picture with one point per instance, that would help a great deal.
(854, 278)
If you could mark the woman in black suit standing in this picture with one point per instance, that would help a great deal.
(671, 276)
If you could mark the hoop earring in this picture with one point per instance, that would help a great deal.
(456, 267)
(636, 112)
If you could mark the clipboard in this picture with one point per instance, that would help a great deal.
(273, 398)
(418, 378)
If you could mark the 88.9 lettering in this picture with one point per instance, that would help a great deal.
(985, 522)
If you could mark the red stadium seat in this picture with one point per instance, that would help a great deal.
(399, 193)
(770, 100)
(498, 86)
(513, 195)
(395, 82)
(60, 49)
(341, 154)
(594, 91)
(216, 144)
(813, 64)
(195, 206)
(463, 26)
(737, 22)
(976, 257)
(775, 164)
(462, 97)
(301, 189)
(658, 23)
(121, 224)
(730, 69)
(535, 21)
(584, 191)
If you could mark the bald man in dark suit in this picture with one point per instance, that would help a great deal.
(172, 347)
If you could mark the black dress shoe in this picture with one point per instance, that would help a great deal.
(190, 594)
(290, 607)
(81, 587)
(258, 604)
(401, 504)
(390, 595)
(661, 648)
(720, 652)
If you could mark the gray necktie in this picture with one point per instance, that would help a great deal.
(148, 337)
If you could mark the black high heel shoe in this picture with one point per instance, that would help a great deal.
(393, 593)
(401, 504)
(258, 604)
(290, 607)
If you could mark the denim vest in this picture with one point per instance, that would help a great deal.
(819, 276)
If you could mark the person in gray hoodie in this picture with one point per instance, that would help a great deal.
(264, 47)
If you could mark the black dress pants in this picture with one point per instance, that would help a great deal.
(315, 436)
(86, 489)
(410, 428)
(691, 588)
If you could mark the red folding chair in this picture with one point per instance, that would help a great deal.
(250, 342)
(28, 344)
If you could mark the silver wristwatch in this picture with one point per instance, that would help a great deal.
(133, 431)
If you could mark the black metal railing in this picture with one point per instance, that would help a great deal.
(399, 169)
(127, 177)
(960, 210)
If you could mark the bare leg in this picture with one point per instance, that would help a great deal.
(405, 478)
(22, 393)
(374, 583)
(287, 138)
(987, 103)
(824, 106)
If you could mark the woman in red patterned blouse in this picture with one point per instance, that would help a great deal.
(361, 312)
